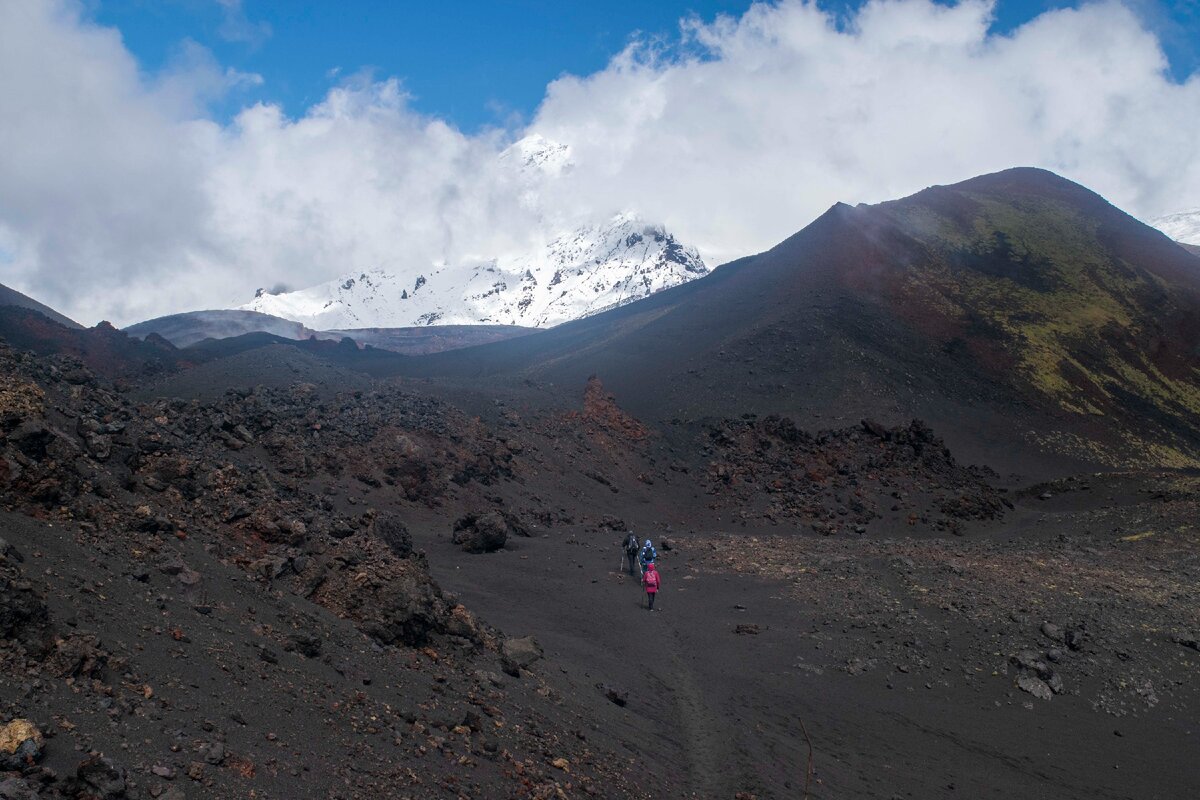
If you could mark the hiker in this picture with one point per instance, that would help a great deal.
(648, 555)
(651, 581)
(631, 550)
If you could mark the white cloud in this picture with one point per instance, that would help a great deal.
(782, 113)
(237, 27)
(122, 200)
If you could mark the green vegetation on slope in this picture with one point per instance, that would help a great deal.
(1036, 281)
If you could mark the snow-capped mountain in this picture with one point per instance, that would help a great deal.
(570, 270)
(588, 270)
(1182, 226)
(536, 155)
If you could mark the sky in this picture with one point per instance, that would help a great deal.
(166, 155)
(473, 62)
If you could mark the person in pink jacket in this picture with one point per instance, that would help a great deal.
(651, 581)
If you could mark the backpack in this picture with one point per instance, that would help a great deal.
(631, 544)
(652, 580)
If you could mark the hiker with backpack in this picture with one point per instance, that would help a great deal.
(651, 582)
(631, 551)
(647, 556)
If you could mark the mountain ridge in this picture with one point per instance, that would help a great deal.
(926, 306)
(575, 274)
(13, 298)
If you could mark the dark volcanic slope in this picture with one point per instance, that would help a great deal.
(1022, 312)
(104, 349)
(11, 297)
(191, 327)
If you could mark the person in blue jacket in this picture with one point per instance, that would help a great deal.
(648, 555)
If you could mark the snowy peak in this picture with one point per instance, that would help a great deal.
(572, 275)
(1182, 226)
(537, 155)
(567, 271)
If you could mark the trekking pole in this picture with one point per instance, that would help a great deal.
(808, 771)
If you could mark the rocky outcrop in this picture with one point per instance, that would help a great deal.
(601, 413)
(392, 531)
(481, 533)
(843, 480)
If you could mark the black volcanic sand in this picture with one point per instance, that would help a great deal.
(893, 654)
(955, 632)
(205, 692)
(899, 650)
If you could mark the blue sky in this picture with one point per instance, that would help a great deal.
(473, 62)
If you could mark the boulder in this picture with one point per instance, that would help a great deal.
(481, 533)
(1034, 686)
(99, 777)
(392, 531)
(407, 612)
(614, 695)
(518, 654)
(270, 567)
(307, 645)
(1052, 631)
(78, 655)
(1029, 660)
(21, 744)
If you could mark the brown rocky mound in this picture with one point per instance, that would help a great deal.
(842, 480)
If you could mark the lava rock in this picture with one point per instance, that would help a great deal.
(1034, 686)
(306, 645)
(518, 654)
(1031, 661)
(21, 744)
(614, 695)
(1052, 631)
(609, 522)
(394, 533)
(480, 533)
(101, 778)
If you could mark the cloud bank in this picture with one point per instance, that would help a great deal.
(121, 198)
